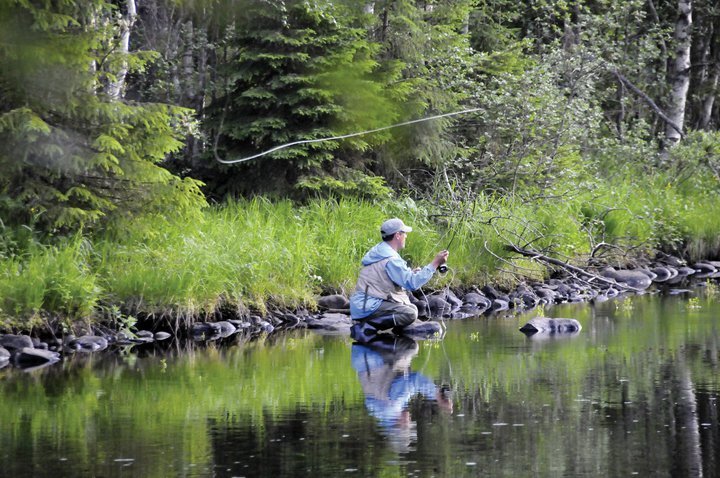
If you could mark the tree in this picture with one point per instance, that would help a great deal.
(680, 72)
(292, 71)
(71, 151)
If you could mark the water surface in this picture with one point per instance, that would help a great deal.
(634, 393)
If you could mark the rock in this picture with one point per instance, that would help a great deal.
(4, 355)
(15, 342)
(651, 275)
(330, 322)
(28, 357)
(545, 295)
(664, 273)
(491, 293)
(685, 271)
(629, 278)
(477, 299)
(88, 343)
(224, 328)
(212, 330)
(438, 306)
(143, 337)
(290, 320)
(423, 309)
(499, 305)
(550, 325)
(452, 299)
(335, 301)
(161, 335)
(421, 330)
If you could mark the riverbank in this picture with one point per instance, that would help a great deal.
(669, 276)
(255, 258)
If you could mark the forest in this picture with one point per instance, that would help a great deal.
(145, 169)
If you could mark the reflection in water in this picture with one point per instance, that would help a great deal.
(634, 394)
(383, 369)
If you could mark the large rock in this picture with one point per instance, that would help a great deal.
(201, 331)
(664, 273)
(14, 342)
(628, 278)
(29, 357)
(477, 299)
(335, 301)
(547, 325)
(420, 330)
(332, 323)
(88, 343)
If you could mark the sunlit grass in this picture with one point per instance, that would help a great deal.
(52, 279)
(257, 255)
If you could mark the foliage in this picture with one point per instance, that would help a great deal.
(297, 72)
(531, 142)
(70, 154)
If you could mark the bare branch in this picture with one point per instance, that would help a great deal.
(649, 101)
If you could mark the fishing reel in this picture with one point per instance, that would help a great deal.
(442, 269)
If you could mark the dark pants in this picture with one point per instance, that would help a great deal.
(402, 315)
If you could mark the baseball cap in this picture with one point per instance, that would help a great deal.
(391, 226)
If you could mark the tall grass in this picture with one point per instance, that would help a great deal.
(253, 254)
(56, 280)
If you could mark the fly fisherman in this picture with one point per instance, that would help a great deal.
(381, 300)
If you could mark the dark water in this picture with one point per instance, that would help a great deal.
(634, 393)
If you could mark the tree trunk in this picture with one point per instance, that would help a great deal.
(115, 88)
(188, 62)
(680, 74)
(710, 85)
(709, 102)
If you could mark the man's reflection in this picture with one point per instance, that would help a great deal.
(383, 368)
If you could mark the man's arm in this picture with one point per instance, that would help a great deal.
(403, 276)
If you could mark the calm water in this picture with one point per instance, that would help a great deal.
(634, 393)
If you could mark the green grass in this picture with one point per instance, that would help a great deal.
(257, 254)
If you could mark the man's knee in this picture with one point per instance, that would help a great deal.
(405, 315)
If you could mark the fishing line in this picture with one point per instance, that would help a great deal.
(344, 136)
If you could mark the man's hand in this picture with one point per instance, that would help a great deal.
(440, 259)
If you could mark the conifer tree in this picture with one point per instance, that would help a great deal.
(293, 71)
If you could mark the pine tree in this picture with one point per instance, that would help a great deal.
(292, 71)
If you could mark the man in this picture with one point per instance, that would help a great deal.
(381, 300)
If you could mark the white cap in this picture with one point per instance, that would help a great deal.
(391, 226)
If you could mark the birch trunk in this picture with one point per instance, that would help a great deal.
(709, 102)
(115, 88)
(680, 74)
(710, 86)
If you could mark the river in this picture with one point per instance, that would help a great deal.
(634, 393)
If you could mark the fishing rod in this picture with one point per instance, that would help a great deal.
(463, 217)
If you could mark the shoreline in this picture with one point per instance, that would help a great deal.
(671, 277)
